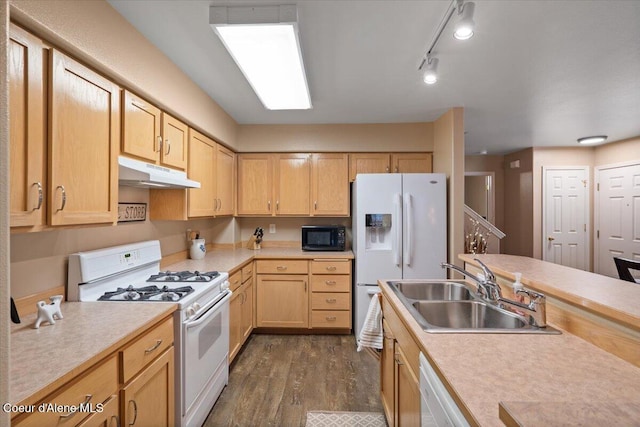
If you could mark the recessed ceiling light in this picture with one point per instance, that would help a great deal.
(592, 139)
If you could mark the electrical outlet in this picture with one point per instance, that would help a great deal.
(272, 228)
(188, 234)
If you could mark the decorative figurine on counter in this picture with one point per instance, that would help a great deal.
(47, 312)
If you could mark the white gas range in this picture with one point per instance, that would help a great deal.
(132, 273)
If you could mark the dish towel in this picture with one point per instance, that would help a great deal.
(371, 334)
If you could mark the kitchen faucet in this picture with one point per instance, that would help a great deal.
(489, 290)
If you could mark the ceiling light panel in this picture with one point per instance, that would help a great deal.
(263, 41)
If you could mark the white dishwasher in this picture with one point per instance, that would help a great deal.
(437, 408)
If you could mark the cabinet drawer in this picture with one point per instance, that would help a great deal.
(330, 301)
(330, 319)
(146, 348)
(247, 272)
(92, 388)
(342, 266)
(330, 283)
(235, 280)
(282, 266)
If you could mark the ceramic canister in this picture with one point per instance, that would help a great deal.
(198, 249)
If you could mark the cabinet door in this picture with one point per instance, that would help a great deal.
(26, 128)
(407, 401)
(255, 184)
(387, 372)
(174, 142)
(282, 301)
(225, 180)
(235, 324)
(412, 162)
(330, 184)
(148, 400)
(140, 128)
(108, 417)
(247, 310)
(84, 141)
(202, 160)
(368, 163)
(292, 184)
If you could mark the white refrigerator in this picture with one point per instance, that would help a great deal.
(399, 226)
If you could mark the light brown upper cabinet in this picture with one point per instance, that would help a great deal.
(255, 184)
(368, 163)
(389, 162)
(330, 184)
(225, 180)
(274, 184)
(26, 128)
(293, 184)
(412, 162)
(212, 165)
(202, 160)
(153, 135)
(84, 140)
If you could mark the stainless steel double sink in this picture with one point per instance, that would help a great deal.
(451, 306)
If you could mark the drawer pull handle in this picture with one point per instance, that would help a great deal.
(155, 346)
(330, 282)
(64, 197)
(135, 412)
(331, 268)
(87, 398)
(281, 267)
(331, 300)
(331, 318)
(117, 418)
(168, 147)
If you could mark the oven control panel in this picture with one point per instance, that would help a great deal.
(129, 258)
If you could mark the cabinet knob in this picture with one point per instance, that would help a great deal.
(551, 238)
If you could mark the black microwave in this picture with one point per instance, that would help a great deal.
(323, 238)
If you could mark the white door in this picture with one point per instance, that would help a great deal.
(617, 220)
(424, 237)
(565, 216)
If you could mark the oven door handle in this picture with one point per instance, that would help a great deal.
(208, 311)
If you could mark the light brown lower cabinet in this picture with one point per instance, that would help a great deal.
(109, 416)
(148, 400)
(282, 301)
(399, 373)
(132, 386)
(241, 309)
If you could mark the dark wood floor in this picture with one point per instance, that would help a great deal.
(276, 379)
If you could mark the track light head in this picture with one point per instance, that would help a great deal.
(465, 26)
(430, 75)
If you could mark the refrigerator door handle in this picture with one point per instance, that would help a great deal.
(408, 206)
(397, 202)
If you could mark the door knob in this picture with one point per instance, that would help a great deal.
(551, 238)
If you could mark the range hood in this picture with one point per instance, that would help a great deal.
(135, 173)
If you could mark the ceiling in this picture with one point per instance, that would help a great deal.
(536, 73)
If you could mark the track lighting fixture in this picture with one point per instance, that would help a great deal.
(430, 75)
(463, 31)
(465, 26)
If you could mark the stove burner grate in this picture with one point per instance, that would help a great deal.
(183, 276)
(146, 293)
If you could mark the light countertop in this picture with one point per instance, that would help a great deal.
(484, 370)
(46, 358)
(230, 259)
(607, 296)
